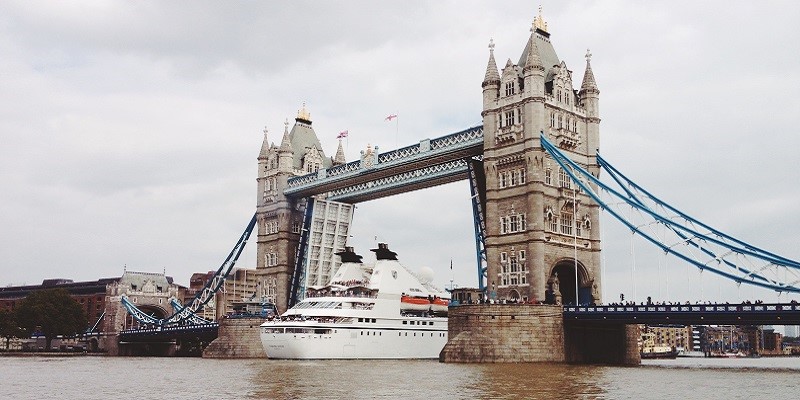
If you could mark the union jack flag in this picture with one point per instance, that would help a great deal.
(342, 134)
(391, 117)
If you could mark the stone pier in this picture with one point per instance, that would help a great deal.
(238, 338)
(504, 333)
(499, 333)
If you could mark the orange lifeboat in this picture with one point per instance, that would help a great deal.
(414, 303)
(440, 305)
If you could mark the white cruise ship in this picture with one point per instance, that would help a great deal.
(366, 311)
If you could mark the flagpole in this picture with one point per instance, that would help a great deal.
(396, 130)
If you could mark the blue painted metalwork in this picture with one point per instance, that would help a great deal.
(477, 186)
(202, 297)
(298, 277)
(193, 319)
(435, 151)
(688, 236)
(403, 182)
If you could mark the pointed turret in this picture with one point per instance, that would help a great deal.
(339, 158)
(285, 152)
(589, 84)
(533, 61)
(491, 84)
(492, 76)
(286, 142)
(264, 147)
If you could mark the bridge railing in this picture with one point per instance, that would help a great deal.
(173, 328)
(687, 308)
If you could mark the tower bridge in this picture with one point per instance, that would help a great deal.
(534, 171)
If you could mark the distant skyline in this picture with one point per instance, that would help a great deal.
(130, 130)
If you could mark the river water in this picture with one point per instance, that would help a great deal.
(195, 378)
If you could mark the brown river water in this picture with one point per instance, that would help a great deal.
(196, 378)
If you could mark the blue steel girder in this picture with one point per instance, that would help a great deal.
(405, 182)
(389, 166)
(477, 185)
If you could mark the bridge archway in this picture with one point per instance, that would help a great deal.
(561, 283)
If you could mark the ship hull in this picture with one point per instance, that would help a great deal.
(313, 341)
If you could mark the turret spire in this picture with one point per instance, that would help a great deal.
(264, 147)
(533, 60)
(589, 83)
(339, 158)
(286, 143)
(492, 76)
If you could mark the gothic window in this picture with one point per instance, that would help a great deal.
(503, 257)
(503, 225)
(560, 122)
(578, 225)
(296, 226)
(559, 94)
(271, 259)
(510, 90)
(563, 179)
(566, 222)
(575, 125)
(522, 255)
(552, 120)
(521, 176)
(548, 176)
(509, 118)
(522, 224)
(566, 98)
(513, 178)
(502, 178)
(553, 222)
(514, 225)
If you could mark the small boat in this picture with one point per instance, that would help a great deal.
(658, 352)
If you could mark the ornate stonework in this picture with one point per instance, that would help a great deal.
(541, 232)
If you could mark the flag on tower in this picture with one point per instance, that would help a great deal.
(391, 117)
(342, 134)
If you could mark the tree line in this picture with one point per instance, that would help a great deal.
(48, 313)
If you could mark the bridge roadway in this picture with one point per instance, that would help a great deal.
(204, 333)
(687, 314)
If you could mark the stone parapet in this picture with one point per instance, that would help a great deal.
(490, 333)
(237, 338)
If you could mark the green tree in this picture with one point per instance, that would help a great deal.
(9, 328)
(52, 312)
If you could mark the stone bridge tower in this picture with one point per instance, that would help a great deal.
(541, 231)
(280, 218)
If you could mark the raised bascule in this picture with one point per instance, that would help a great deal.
(534, 168)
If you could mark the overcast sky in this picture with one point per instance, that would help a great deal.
(129, 131)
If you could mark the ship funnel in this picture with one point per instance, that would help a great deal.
(349, 255)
